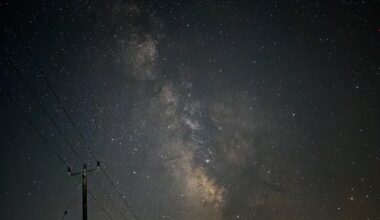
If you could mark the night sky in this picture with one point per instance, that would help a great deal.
(196, 109)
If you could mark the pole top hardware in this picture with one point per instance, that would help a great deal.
(84, 171)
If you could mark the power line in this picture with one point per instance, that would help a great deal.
(55, 124)
(118, 192)
(108, 196)
(30, 122)
(70, 202)
(48, 84)
(56, 154)
(104, 210)
(10, 62)
(21, 76)
(64, 164)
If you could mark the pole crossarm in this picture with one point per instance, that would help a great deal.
(84, 170)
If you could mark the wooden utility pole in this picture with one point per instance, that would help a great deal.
(84, 174)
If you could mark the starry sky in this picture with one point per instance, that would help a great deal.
(217, 109)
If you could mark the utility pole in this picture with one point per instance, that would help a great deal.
(84, 174)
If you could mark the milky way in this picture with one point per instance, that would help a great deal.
(204, 143)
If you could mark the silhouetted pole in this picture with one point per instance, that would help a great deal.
(84, 195)
(84, 174)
